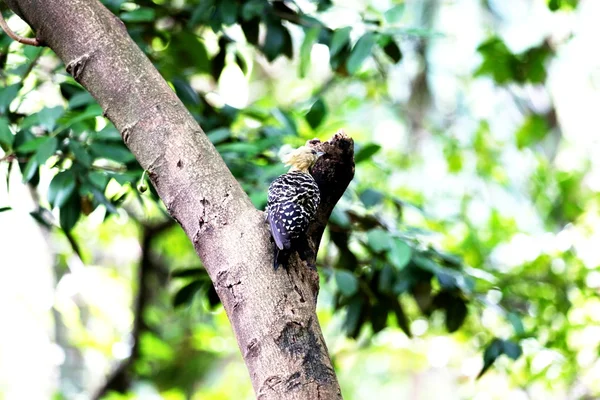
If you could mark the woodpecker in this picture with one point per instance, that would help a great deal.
(292, 202)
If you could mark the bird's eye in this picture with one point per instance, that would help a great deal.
(314, 152)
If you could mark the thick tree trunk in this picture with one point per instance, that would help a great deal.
(272, 313)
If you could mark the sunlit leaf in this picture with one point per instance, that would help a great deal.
(534, 129)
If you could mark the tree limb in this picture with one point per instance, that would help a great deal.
(271, 312)
(14, 36)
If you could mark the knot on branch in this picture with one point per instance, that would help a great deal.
(77, 66)
(333, 172)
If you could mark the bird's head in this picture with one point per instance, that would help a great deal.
(302, 158)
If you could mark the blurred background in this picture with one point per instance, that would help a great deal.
(466, 246)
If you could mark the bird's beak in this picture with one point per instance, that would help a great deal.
(320, 153)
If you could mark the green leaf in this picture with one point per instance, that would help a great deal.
(47, 117)
(400, 253)
(108, 134)
(99, 195)
(189, 272)
(392, 50)
(317, 113)
(30, 169)
(186, 293)
(253, 9)
(30, 143)
(394, 14)
(251, 30)
(340, 218)
(142, 14)
(70, 212)
(379, 313)
(185, 92)
(7, 95)
(219, 135)
(379, 240)
(3, 209)
(306, 48)
(6, 137)
(512, 349)
(46, 149)
(116, 152)
(371, 197)
(274, 40)
(495, 349)
(61, 188)
(360, 52)
(366, 152)
(401, 318)
(340, 38)
(346, 282)
(80, 99)
(534, 129)
(516, 323)
(228, 10)
(80, 153)
(286, 120)
(492, 352)
(354, 315)
(387, 277)
(456, 313)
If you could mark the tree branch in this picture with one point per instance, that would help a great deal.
(14, 36)
(272, 313)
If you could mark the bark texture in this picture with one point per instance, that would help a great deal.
(272, 312)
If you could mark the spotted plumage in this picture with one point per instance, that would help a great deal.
(292, 203)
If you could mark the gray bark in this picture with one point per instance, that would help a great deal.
(272, 312)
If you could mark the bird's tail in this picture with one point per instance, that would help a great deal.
(280, 257)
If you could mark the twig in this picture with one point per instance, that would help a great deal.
(14, 36)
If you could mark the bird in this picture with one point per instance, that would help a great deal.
(292, 203)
